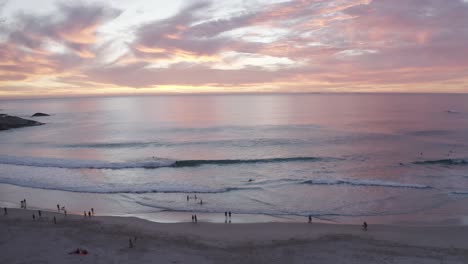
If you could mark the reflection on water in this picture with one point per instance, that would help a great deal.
(396, 157)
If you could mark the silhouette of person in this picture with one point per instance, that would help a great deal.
(193, 218)
(39, 213)
(58, 207)
(196, 220)
(84, 213)
(310, 219)
(34, 217)
(89, 213)
(364, 226)
(5, 212)
(188, 198)
(225, 214)
(229, 214)
(92, 211)
(55, 220)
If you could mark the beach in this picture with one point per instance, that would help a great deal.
(106, 238)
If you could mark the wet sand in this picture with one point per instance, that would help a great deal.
(106, 238)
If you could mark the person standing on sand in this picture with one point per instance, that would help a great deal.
(58, 208)
(39, 213)
(310, 219)
(229, 214)
(24, 203)
(89, 213)
(188, 198)
(92, 211)
(65, 212)
(5, 212)
(364, 226)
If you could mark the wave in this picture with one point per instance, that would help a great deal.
(443, 162)
(195, 163)
(375, 183)
(256, 142)
(145, 164)
(124, 188)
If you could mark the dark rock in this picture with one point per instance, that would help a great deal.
(40, 114)
(7, 122)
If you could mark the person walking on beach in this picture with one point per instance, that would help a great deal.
(310, 219)
(229, 214)
(201, 202)
(39, 213)
(188, 198)
(24, 203)
(58, 208)
(89, 213)
(364, 226)
(84, 213)
(65, 212)
(5, 212)
(34, 217)
(55, 220)
(225, 214)
(92, 211)
(195, 196)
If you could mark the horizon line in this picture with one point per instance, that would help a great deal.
(61, 96)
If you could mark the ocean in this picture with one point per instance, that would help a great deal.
(341, 158)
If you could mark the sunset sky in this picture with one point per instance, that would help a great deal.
(56, 48)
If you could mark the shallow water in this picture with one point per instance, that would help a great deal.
(336, 157)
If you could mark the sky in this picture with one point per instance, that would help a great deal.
(66, 48)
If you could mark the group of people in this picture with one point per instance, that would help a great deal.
(62, 209)
(194, 218)
(89, 214)
(23, 204)
(39, 213)
(195, 197)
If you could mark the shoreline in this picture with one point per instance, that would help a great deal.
(106, 240)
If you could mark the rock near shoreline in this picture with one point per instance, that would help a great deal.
(8, 122)
(40, 114)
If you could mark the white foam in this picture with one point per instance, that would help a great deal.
(377, 183)
(82, 164)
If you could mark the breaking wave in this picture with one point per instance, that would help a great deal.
(443, 162)
(375, 183)
(145, 164)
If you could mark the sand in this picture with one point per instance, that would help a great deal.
(23, 240)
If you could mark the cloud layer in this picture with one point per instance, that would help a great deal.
(292, 46)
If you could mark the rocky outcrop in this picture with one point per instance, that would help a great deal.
(7, 122)
(40, 114)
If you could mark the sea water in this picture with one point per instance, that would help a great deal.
(338, 157)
